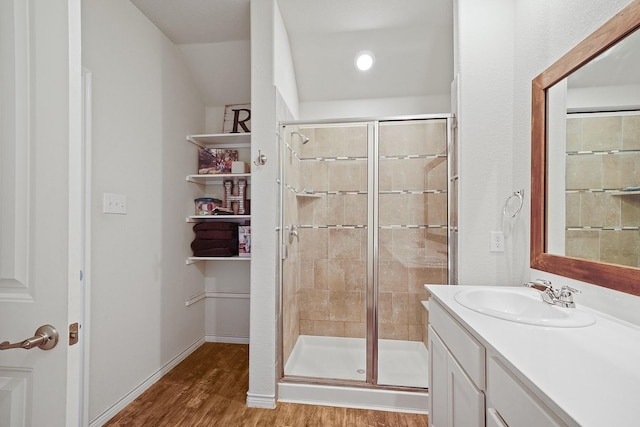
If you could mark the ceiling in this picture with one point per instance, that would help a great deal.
(412, 41)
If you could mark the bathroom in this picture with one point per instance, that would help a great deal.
(143, 106)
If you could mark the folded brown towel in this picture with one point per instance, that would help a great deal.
(215, 226)
(217, 234)
(200, 244)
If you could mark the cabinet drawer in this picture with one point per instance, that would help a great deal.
(469, 353)
(513, 402)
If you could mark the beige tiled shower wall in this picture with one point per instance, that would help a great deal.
(332, 298)
(413, 194)
(598, 209)
(333, 260)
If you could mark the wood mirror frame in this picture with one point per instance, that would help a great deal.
(620, 278)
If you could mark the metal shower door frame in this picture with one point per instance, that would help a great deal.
(372, 267)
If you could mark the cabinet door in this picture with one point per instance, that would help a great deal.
(454, 400)
(438, 379)
(465, 401)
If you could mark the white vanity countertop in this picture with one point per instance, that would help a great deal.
(589, 376)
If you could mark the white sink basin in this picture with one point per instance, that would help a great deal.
(522, 305)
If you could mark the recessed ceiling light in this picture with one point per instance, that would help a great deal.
(364, 60)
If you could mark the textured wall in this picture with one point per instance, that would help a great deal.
(144, 104)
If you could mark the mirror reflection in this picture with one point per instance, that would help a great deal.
(594, 159)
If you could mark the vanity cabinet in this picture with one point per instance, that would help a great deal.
(469, 386)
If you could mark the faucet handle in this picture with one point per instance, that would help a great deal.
(570, 290)
(539, 284)
(565, 296)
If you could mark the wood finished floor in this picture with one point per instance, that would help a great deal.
(209, 389)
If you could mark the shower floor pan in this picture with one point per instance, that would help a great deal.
(400, 363)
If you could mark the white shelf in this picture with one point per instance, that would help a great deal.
(216, 178)
(219, 140)
(194, 259)
(309, 195)
(200, 218)
(625, 193)
(228, 140)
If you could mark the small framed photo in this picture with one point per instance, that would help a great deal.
(215, 160)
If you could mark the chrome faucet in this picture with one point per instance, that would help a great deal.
(562, 297)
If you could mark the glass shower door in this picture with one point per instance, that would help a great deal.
(364, 219)
(412, 235)
(325, 235)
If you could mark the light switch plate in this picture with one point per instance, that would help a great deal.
(114, 204)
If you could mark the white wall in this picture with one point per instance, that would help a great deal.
(263, 324)
(376, 107)
(484, 63)
(227, 287)
(544, 32)
(269, 104)
(284, 75)
(221, 72)
(214, 119)
(144, 103)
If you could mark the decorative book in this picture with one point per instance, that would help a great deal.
(244, 240)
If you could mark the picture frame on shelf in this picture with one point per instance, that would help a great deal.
(237, 118)
(216, 160)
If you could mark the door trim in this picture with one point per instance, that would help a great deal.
(85, 340)
(372, 253)
(75, 216)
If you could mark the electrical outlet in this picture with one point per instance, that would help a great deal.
(497, 241)
(114, 204)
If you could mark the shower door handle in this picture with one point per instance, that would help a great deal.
(293, 232)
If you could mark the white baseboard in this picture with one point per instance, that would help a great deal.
(228, 340)
(101, 419)
(261, 401)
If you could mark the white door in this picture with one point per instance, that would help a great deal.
(40, 137)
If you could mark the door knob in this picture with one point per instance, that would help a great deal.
(45, 338)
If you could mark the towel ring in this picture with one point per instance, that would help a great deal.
(508, 210)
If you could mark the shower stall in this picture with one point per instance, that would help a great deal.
(364, 225)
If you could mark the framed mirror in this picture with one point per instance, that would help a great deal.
(585, 179)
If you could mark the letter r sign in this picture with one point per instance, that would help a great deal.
(237, 118)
